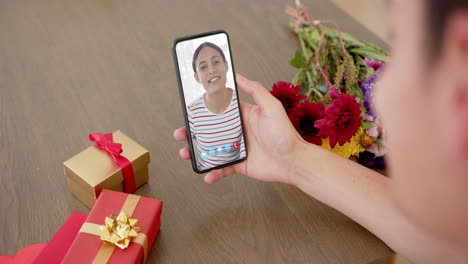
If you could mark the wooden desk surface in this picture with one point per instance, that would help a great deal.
(373, 14)
(68, 68)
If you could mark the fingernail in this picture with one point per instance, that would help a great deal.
(182, 151)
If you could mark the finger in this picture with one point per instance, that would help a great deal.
(259, 94)
(245, 109)
(216, 175)
(180, 134)
(184, 153)
(246, 106)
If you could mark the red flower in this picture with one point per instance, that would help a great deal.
(303, 118)
(342, 119)
(287, 93)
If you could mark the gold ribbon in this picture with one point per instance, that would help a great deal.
(120, 232)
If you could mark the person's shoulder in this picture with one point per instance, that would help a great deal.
(196, 104)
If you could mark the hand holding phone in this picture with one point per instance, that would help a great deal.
(273, 143)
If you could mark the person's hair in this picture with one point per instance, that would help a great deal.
(203, 45)
(437, 15)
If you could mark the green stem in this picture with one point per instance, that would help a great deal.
(311, 87)
(295, 80)
(305, 52)
(317, 92)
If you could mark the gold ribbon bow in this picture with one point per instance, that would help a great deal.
(119, 230)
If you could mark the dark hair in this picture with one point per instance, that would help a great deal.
(203, 45)
(437, 15)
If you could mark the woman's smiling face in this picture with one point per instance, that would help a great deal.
(211, 70)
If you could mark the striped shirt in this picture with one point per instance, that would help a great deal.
(217, 138)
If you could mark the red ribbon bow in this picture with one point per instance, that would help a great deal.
(106, 142)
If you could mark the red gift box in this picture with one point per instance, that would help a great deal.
(88, 246)
(58, 246)
(55, 250)
(25, 256)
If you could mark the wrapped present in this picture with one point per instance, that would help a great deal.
(25, 255)
(121, 228)
(115, 162)
(58, 246)
(54, 251)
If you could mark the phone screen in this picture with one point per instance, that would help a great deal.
(210, 100)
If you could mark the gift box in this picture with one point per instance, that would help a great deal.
(25, 256)
(52, 252)
(121, 228)
(58, 246)
(114, 162)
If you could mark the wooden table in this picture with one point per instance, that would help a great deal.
(68, 68)
(373, 14)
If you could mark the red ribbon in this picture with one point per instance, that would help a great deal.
(106, 142)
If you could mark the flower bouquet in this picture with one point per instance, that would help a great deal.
(329, 100)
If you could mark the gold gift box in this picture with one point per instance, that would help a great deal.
(93, 169)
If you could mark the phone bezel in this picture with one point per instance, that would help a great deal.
(184, 107)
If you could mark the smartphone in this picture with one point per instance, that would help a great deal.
(210, 100)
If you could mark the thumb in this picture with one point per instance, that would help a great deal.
(259, 94)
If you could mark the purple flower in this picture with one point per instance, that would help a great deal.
(367, 89)
(369, 160)
(380, 163)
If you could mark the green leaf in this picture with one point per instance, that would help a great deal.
(299, 78)
(369, 53)
(363, 111)
(370, 72)
(352, 41)
(356, 90)
(366, 125)
(312, 39)
(297, 61)
(379, 143)
(359, 61)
